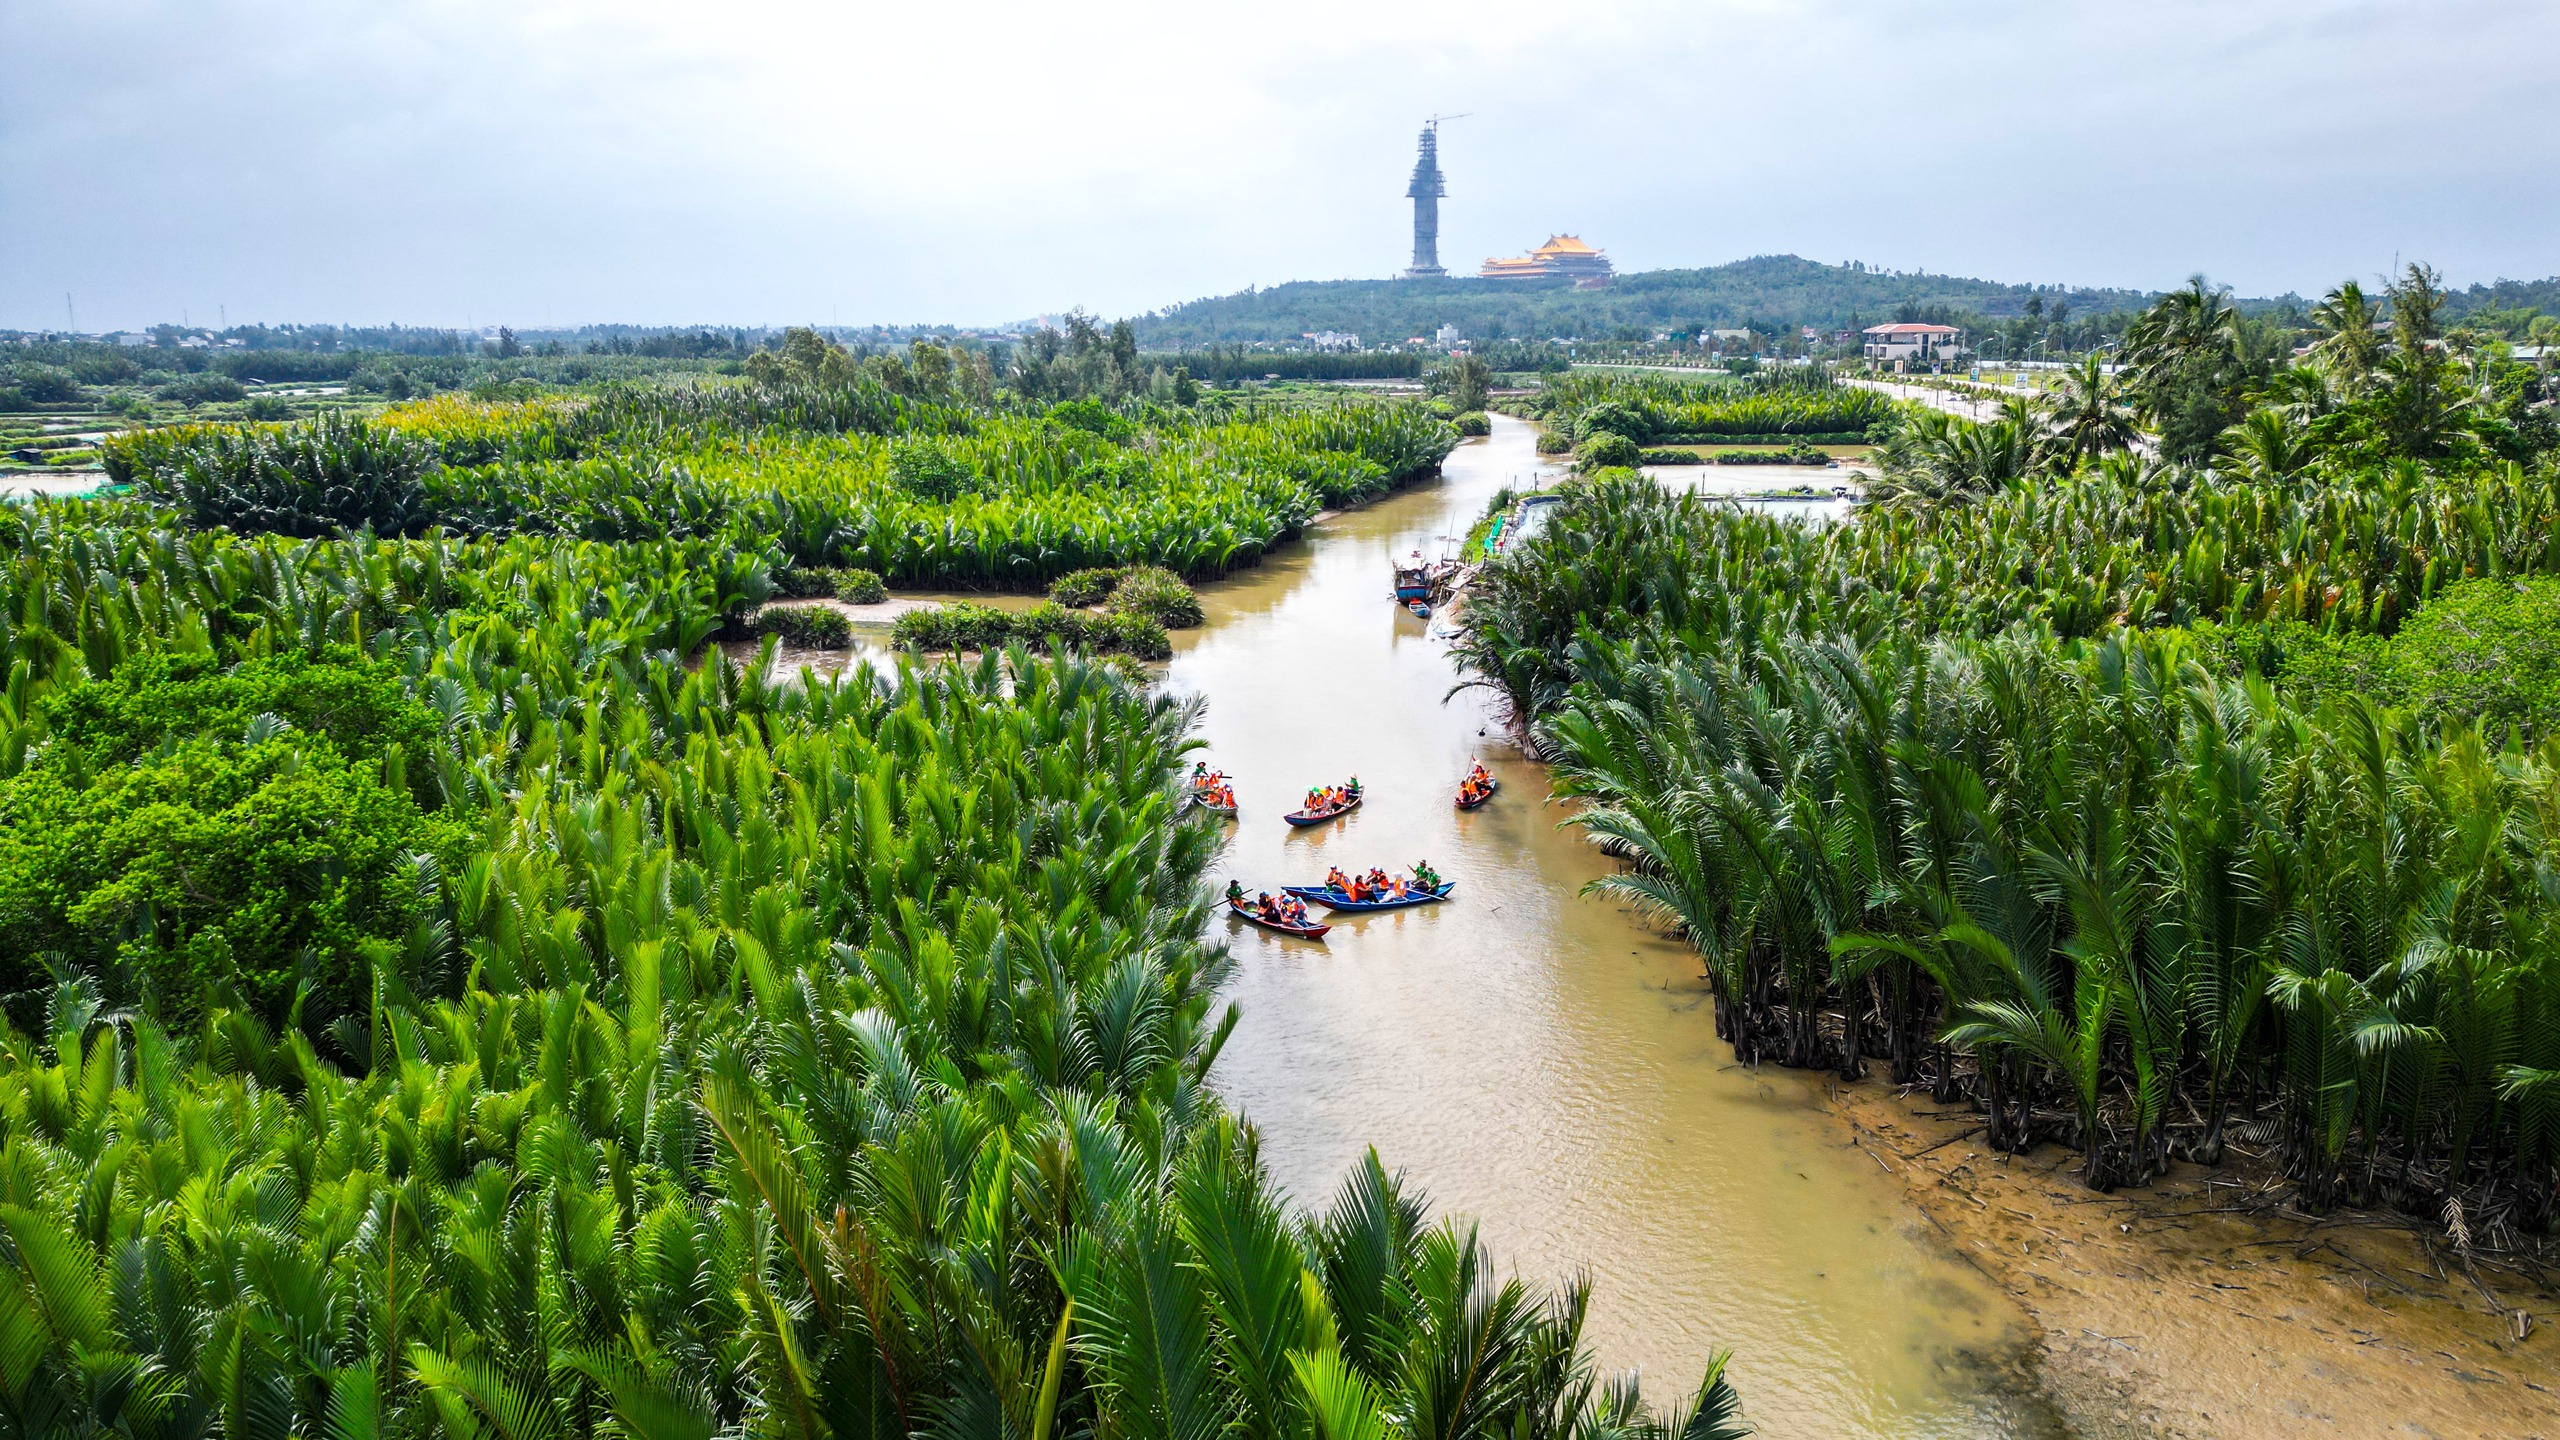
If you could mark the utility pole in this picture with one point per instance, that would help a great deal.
(70, 316)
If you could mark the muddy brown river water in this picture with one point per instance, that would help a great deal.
(1537, 1060)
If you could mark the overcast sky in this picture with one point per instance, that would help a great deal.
(763, 161)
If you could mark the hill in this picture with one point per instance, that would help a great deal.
(1765, 293)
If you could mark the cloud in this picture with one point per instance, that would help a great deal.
(559, 160)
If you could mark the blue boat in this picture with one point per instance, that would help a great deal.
(1332, 899)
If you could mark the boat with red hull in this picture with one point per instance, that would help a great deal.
(1245, 912)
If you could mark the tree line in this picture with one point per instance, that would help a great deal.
(2166, 769)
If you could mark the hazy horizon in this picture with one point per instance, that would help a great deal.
(560, 162)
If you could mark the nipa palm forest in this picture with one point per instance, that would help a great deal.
(2167, 767)
(448, 997)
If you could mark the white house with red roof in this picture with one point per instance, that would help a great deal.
(1908, 341)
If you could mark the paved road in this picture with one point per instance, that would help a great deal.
(1967, 406)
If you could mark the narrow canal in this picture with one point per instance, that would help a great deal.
(1539, 1060)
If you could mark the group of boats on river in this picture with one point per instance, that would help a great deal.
(1287, 912)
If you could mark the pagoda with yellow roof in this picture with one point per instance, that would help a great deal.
(1563, 257)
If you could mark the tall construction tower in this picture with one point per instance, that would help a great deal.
(1426, 190)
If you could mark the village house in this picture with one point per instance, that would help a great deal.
(1924, 344)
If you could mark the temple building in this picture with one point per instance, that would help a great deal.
(1563, 257)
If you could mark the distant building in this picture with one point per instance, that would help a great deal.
(130, 337)
(1447, 337)
(1563, 257)
(1331, 339)
(1427, 190)
(1907, 341)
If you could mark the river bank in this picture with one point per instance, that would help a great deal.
(1537, 1060)
(1544, 1062)
(2201, 1306)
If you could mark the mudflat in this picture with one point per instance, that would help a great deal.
(2204, 1306)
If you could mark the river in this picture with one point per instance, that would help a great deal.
(1538, 1060)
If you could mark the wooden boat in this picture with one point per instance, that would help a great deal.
(1333, 899)
(1202, 802)
(1245, 912)
(1423, 580)
(1303, 818)
(1491, 785)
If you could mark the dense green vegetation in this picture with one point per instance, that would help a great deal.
(834, 461)
(1774, 405)
(85, 384)
(965, 626)
(207, 833)
(1227, 365)
(1769, 293)
(1772, 299)
(464, 1017)
(2158, 805)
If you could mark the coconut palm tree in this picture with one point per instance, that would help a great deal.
(2351, 341)
(2269, 445)
(2089, 417)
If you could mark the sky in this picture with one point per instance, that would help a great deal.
(546, 162)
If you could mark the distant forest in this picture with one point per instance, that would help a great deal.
(1769, 294)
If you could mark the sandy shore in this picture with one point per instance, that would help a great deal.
(2201, 1306)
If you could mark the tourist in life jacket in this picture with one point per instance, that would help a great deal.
(1263, 906)
(1334, 879)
